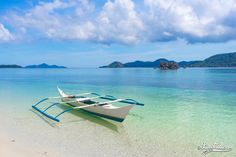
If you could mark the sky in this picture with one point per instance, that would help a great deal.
(91, 33)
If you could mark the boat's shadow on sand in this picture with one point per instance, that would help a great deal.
(94, 119)
(84, 116)
(45, 119)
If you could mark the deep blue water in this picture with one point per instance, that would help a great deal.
(223, 79)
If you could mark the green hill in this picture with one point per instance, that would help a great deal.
(219, 60)
(10, 66)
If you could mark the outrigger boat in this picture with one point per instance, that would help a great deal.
(89, 104)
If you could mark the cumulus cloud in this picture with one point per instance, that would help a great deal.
(121, 21)
(193, 20)
(5, 35)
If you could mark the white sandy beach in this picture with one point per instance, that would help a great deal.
(76, 136)
(12, 148)
(23, 136)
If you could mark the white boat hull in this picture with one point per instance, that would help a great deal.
(107, 111)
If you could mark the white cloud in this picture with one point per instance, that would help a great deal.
(193, 20)
(85, 8)
(120, 21)
(5, 35)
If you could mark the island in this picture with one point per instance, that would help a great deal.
(44, 65)
(114, 65)
(10, 66)
(219, 60)
(144, 64)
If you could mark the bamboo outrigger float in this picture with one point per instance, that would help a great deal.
(84, 102)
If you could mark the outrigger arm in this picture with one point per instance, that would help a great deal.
(56, 97)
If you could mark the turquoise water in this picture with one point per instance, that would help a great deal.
(183, 108)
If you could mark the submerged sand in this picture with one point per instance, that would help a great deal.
(169, 132)
(11, 148)
(80, 136)
(33, 135)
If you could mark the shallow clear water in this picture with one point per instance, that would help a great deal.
(183, 108)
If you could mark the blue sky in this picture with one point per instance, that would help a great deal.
(83, 33)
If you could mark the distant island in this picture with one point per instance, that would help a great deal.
(10, 66)
(219, 60)
(147, 64)
(43, 65)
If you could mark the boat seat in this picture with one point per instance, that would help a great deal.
(83, 99)
(109, 106)
(71, 96)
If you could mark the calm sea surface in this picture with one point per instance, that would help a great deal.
(183, 109)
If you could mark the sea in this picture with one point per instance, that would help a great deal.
(186, 113)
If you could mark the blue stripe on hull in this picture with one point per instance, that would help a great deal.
(97, 114)
(105, 116)
(101, 115)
